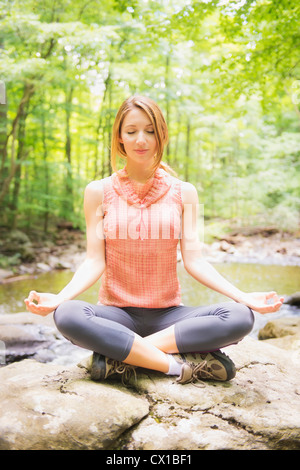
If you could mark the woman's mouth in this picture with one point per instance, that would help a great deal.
(141, 151)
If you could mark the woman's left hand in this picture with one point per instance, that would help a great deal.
(263, 302)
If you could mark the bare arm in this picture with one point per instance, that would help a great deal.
(204, 272)
(92, 267)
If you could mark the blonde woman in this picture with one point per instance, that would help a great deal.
(134, 221)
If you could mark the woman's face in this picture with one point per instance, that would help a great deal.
(138, 137)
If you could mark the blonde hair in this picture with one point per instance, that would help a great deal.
(157, 119)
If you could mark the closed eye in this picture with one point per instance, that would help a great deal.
(148, 132)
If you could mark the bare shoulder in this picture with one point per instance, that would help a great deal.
(189, 193)
(94, 191)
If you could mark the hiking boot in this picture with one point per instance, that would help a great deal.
(211, 366)
(102, 367)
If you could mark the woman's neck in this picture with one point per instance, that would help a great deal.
(140, 175)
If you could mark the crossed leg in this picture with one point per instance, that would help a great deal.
(111, 332)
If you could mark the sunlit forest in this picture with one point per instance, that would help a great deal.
(225, 73)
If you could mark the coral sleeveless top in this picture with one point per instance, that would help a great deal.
(142, 227)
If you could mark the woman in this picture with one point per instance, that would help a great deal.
(134, 220)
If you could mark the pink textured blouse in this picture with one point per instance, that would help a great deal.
(142, 227)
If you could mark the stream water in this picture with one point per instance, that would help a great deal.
(248, 277)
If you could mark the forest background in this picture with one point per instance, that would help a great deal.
(225, 73)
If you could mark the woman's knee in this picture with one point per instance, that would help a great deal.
(65, 317)
(245, 318)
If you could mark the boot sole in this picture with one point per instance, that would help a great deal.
(226, 362)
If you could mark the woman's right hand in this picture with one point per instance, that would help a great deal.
(42, 303)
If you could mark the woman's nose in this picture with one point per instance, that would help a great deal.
(141, 137)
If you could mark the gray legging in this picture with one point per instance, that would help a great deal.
(110, 330)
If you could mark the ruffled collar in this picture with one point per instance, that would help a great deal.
(159, 185)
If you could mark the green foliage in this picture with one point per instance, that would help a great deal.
(226, 75)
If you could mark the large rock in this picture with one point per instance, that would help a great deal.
(49, 406)
(280, 327)
(17, 243)
(45, 406)
(24, 335)
(258, 409)
(293, 299)
(283, 333)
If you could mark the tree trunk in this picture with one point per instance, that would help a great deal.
(213, 159)
(109, 126)
(46, 173)
(7, 176)
(167, 69)
(98, 131)
(176, 146)
(20, 156)
(3, 147)
(68, 152)
(187, 150)
(106, 132)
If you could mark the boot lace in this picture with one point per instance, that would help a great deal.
(126, 370)
(200, 371)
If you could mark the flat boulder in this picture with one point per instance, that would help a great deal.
(283, 333)
(56, 406)
(258, 409)
(45, 407)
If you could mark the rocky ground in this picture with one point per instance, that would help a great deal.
(23, 257)
(266, 247)
(47, 405)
